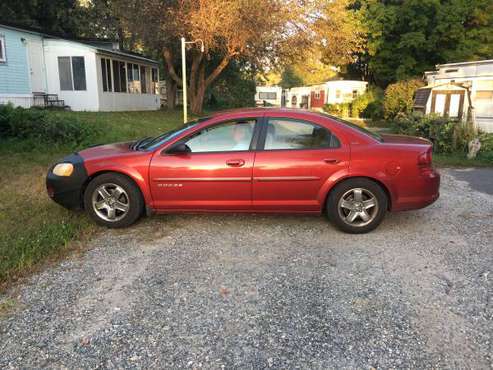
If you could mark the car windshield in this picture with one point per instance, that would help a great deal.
(356, 127)
(167, 136)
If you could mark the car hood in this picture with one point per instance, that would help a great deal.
(108, 150)
(404, 139)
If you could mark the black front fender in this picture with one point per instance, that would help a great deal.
(67, 190)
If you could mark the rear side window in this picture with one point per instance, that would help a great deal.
(294, 134)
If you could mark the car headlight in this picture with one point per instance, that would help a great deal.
(63, 169)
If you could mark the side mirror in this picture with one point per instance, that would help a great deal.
(180, 148)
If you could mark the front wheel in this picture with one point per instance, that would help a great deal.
(357, 206)
(113, 200)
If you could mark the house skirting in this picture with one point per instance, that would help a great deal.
(17, 100)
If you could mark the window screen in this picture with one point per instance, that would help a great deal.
(267, 95)
(79, 72)
(3, 57)
(65, 73)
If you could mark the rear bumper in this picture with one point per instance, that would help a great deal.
(420, 192)
(67, 190)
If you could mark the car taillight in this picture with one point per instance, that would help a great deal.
(425, 158)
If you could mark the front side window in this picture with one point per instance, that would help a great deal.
(72, 73)
(233, 136)
(3, 56)
(292, 134)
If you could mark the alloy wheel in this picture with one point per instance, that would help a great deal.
(358, 207)
(110, 202)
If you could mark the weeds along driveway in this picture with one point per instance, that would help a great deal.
(268, 291)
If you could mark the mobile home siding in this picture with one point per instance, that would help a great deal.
(14, 73)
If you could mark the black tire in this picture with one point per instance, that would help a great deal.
(340, 215)
(131, 198)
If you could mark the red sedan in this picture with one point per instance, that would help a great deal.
(252, 160)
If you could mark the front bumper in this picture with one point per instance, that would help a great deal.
(67, 190)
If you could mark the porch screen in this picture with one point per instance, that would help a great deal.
(116, 76)
(119, 76)
(143, 80)
(106, 74)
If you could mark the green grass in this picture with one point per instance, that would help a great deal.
(460, 160)
(33, 229)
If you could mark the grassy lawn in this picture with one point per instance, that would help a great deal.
(33, 229)
(458, 160)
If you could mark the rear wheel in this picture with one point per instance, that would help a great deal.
(357, 206)
(113, 200)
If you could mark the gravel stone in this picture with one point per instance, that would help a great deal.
(246, 291)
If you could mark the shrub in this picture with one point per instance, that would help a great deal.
(44, 127)
(399, 97)
(372, 99)
(486, 143)
(448, 136)
(340, 110)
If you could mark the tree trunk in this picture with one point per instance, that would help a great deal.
(197, 88)
(170, 93)
(198, 81)
(197, 102)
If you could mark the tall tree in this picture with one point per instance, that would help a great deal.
(255, 31)
(407, 37)
(340, 31)
(56, 16)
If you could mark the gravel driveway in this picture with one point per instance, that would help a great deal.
(219, 291)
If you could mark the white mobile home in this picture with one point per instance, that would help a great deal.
(330, 92)
(44, 70)
(336, 92)
(454, 88)
(298, 97)
(268, 95)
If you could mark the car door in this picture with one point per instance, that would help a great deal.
(297, 159)
(215, 175)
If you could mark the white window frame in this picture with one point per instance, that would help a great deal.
(3, 58)
(70, 57)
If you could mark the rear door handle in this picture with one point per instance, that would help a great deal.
(235, 162)
(331, 160)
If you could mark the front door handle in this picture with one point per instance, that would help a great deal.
(331, 160)
(235, 162)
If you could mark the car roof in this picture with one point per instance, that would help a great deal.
(266, 110)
